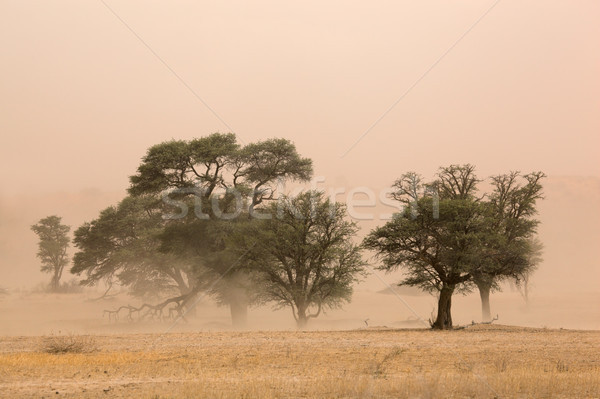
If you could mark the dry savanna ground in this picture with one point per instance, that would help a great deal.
(480, 361)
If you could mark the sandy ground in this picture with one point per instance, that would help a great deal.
(479, 361)
(339, 357)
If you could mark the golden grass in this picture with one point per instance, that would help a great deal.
(490, 361)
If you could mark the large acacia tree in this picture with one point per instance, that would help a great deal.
(226, 182)
(302, 256)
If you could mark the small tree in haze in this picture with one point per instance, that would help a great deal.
(52, 247)
(302, 256)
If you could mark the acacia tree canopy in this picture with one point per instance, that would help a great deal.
(217, 161)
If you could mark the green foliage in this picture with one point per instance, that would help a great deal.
(511, 228)
(432, 250)
(204, 244)
(162, 168)
(123, 244)
(302, 255)
(218, 161)
(274, 158)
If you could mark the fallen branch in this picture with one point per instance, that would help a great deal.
(169, 309)
(484, 322)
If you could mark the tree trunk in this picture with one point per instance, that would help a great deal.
(444, 314)
(238, 306)
(302, 320)
(484, 294)
(181, 284)
(54, 283)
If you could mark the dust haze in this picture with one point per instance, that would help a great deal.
(83, 99)
(564, 290)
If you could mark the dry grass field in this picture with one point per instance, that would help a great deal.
(480, 361)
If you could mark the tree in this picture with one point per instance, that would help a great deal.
(226, 181)
(509, 247)
(52, 247)
(436, 238)
(302, 256)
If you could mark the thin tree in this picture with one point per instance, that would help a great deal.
(52, 247)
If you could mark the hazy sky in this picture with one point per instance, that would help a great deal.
(82, 98)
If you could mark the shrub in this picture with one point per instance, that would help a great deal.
(57, 344)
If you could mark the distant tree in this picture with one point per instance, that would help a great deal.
(52, 247)
(510, 252)
(436, 238)
(302, 256)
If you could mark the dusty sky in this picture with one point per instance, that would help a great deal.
(82, 98)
